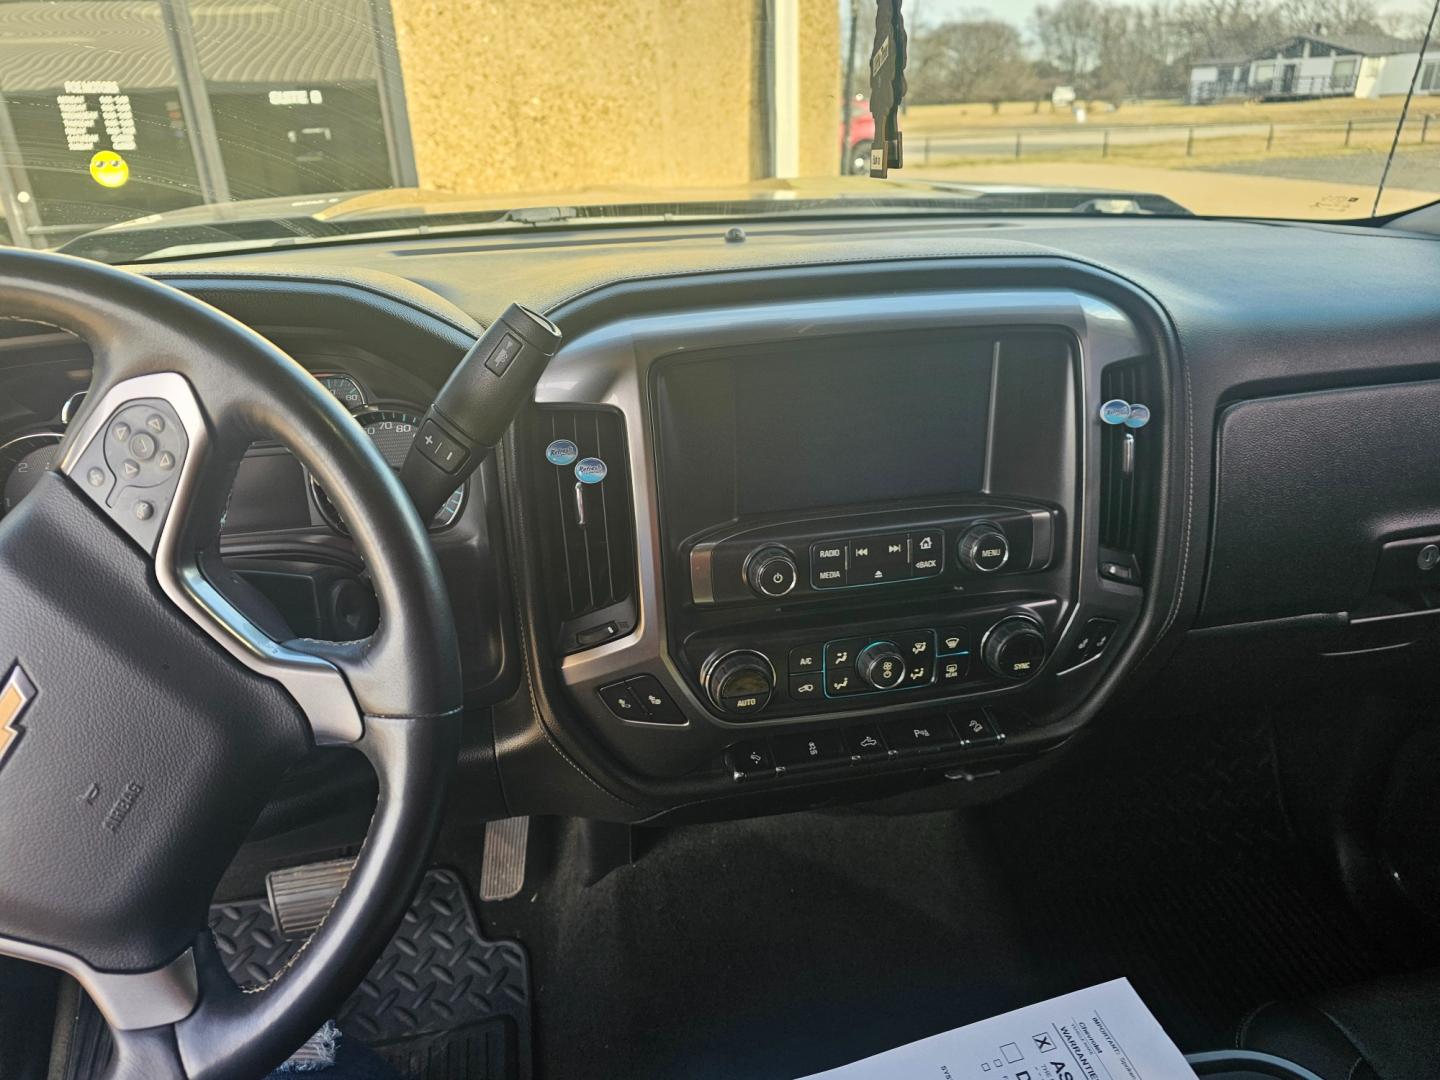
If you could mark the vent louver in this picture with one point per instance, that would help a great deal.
(1126, 475)
(586, 531)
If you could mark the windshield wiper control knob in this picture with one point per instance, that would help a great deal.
(476, 405)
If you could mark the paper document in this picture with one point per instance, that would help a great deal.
(1103, 1033)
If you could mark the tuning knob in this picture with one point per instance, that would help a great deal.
(984, 549)
(772, 572)
(882, 665)
(740, 683)
(1015, 647)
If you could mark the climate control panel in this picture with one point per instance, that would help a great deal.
(785, 675)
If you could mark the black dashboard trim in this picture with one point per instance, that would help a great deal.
(553, 718)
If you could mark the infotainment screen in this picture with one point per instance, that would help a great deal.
(860, 421)
(860, 427)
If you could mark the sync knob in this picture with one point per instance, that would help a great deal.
(1015, 647)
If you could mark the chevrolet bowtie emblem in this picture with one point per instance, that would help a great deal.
(16, 693)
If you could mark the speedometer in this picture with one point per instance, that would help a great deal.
(392, 431)
(23, 461)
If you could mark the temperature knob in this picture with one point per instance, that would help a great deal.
(740, 683)
(1015, 647)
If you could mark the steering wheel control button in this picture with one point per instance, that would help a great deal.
(874, 560)
(984, 549)
(807, 660)
(623, 702)
(1015, 647)
(806, 687)
(808, 749)
(921, 734)
(156, 423)
(772, 572)
(439, 448)
(882, 665)
(865, 743)
(827, 564)
(562, 452)
(655, 700)
(144, 462)
(751, 760)
(142, 446)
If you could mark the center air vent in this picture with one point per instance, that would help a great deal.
(585, 523)
(1128, 459)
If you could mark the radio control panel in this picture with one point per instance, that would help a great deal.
(809, 559)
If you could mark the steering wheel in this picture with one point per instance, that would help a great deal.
(147, 710)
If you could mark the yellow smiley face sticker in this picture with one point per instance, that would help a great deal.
(109, 169)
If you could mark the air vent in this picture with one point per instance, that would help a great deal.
(586, 530)
(1127, 464)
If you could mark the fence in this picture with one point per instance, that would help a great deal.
(1083, 141)
(1293, 86)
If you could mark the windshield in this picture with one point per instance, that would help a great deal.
(177, 127)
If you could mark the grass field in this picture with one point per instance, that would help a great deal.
(1167, 134)
(930, 119)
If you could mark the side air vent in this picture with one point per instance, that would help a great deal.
(586, 530)
(1127, 463)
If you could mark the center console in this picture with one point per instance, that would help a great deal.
(845, 539)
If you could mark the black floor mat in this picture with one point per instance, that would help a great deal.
(778, 947)
(442, 1003)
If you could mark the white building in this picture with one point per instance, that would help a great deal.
(1318, 65)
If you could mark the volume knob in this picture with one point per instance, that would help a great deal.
(772, 572)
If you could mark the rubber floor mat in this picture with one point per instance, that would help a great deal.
(442, 1002)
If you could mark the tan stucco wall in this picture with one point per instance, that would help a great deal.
(550, 95)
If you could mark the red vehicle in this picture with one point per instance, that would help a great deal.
(857, 135)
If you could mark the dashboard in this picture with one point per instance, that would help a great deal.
(837, 515)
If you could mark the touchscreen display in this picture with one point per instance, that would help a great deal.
(864, 426)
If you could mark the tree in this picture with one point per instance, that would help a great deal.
(1137, 52)
(1331, 17)
(968, 60)
(1069, 37)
